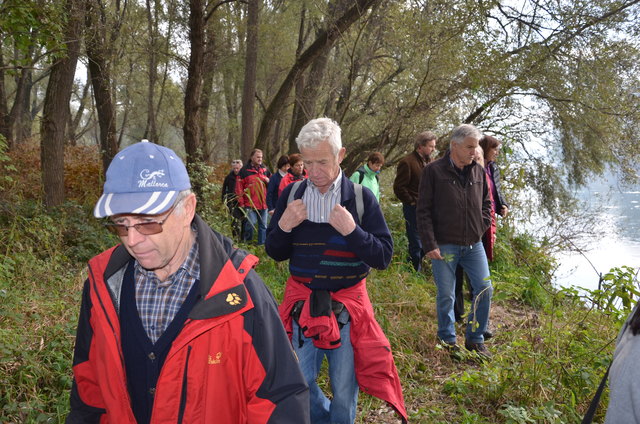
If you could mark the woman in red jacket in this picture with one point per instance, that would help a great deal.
(295, 173)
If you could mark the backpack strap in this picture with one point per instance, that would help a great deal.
(359, 202)
(588, 416)
(361, 178)
(293, 191)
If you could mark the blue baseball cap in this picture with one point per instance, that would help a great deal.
(144, 179)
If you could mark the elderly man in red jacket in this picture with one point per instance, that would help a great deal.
(175, 326)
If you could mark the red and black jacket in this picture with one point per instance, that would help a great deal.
(251, 186)
(231, 362)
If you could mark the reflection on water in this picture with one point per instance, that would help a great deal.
(619, 243)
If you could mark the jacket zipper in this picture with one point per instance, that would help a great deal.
(183, 394)
(94, 283)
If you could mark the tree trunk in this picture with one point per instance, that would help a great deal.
(299, 86)
(17, 108)
(24, 121)
(74, 121)
(5, 127)
(98, 48)
(323, 43)
(249, 89)
(230, 96)
(193, 93)
(210, 61)
(151, 130)
(307, 96)
(56, 109)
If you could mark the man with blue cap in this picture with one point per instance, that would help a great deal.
(175, 326)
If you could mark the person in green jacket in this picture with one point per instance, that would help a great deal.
(369, 174)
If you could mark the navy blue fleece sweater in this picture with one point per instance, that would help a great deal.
(321, 257)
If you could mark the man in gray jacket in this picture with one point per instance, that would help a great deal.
(453, 212)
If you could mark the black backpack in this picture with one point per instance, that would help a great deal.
(361, 171)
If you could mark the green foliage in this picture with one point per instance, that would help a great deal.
(31, 24)
(39, 291)
(5, 165)
(617, 293)
(549, 350)
(521, 270)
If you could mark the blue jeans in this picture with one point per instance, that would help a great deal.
(415, 245)
(342, 376)
(254, 216)
(474, 262)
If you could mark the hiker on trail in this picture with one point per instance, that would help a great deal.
(295, 173)
(405, 187)
(491, 148)
(624, 375)
(453, 212)
(369, 174)
(251, 189)
(274, 183)
(230, 198)
(330, 248)
(175, 326)
(458, 307)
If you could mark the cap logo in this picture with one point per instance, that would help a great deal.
(148, 179)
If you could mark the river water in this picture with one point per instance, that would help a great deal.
(617, 228)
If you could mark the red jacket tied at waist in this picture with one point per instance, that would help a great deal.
(375, 369)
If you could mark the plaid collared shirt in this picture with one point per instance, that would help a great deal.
(319, 205)
(159, 301)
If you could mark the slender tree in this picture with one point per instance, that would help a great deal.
(55, 114)
(249, 87)
(100, 37)
(322, 43)
(5, 126)
(151, 130)
(193, 92)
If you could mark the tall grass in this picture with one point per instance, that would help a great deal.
(550, 350)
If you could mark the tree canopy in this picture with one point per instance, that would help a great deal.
(555, 81)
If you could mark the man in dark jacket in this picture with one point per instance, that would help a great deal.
(330, 251)
(273, 188)
(453, 212)
(175, 326)
(405, 187)
(230, 198)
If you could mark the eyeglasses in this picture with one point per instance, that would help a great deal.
(144, 228)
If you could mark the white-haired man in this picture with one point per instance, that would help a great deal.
(326, 308)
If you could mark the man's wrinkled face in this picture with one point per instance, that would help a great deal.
(462, 153)
(322, 165)
(159, 252)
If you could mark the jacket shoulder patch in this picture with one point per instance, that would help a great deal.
(223, 303)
